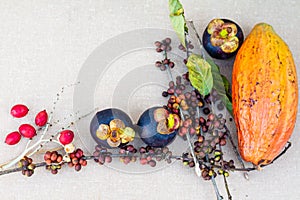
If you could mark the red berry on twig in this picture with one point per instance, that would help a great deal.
(19, 111)
(13, 138)
(27, 130)
(66, 137)
(41, 118)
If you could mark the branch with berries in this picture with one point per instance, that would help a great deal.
(69, 155)
(207, 150)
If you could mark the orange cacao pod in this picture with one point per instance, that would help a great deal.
(264, 95)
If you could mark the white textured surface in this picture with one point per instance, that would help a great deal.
(45, 43)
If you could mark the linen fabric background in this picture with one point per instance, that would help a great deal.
(43, 47)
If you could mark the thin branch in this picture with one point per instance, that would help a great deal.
(17, 159)
(246, 175)
(227, 188)
(225, 180)
(138, 155)
(199, 39)
(197, 165)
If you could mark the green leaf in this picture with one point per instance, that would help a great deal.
(177, 19)
(200, 74)
(227, 87)
(221, 85)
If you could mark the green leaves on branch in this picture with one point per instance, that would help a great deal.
(205, 76)
(177, 19)
(200, 74)
(221, 85)
(227, 87)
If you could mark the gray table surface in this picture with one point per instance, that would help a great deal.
(44, 45)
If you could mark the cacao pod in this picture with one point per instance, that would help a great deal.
(264, 95)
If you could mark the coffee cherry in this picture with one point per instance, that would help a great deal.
(165, 94)
(47, 155)
(70, 164)
(157, 44)
(202, 121)
(217, 124)
(222, 141)
(197, 149)
(108, 159)
(211, 117)
(191, 164)
(158, 50)
(75, 161)
(19, 111)
(126, 160)
(168, 41)
(206, 111)
(220, 106)
(158, 63)
(205, 174)
(162, 67)
(204, 129)
(59, 158)
(143, 161)
(181, 47)
(78, 167)
(41, 118)
(128, 152)
(78, 153)
(27, 166)
(27, 131)
(163, 47)
(53, 161)
(171, 91)
(217, 158)
(166, 61)
(171, 65)
(152, 163)
(142, 150)
(78, 159)
(13, 138)
(53, 156)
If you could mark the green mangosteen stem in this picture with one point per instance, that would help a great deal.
(223, 33)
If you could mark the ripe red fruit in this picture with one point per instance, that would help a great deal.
(13, 138)
(79, 153)
(66, 137)
(19, 110)
(41, 118)
(27, 130)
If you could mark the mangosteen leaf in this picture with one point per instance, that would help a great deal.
(200, 74)
(177, 19)
(227, 87)
(221, 85)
